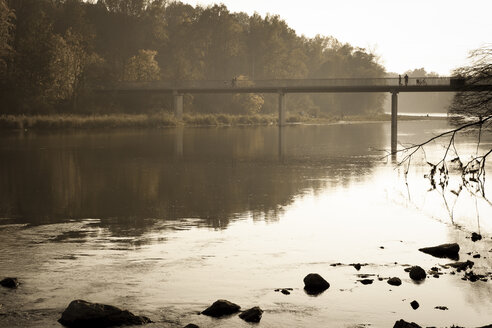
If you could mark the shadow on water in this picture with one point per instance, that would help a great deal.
(131, 179)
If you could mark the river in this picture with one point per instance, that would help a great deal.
(165, 222)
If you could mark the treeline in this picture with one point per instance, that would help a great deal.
(54, 52)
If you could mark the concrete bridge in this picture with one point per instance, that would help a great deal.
(283, 87)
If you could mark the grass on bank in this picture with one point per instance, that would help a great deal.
(61, 121)
(166, 119)
(160, 120)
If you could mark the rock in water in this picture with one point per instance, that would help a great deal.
(476, 236)
(395, 281)
(403, 324)
(10, 282)
(221, 308)
(315, 284)
(357, 266)
(445, 250)
(415, 305)
(80, 313)
(252, 315)
(459, 266)
(366, 281)
(417, 273)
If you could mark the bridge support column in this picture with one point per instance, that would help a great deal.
(394, 120)
(282, 144)
(282, 109)
(178, 105)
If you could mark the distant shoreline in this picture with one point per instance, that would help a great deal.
(166, 120)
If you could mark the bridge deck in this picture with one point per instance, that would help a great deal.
(437, 84)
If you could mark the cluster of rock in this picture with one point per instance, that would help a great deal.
(80, 313)
(221, 308)
(285, 291)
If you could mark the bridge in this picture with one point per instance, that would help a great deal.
(283, 87)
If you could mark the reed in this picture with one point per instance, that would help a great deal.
(59, 121)
(166, 119)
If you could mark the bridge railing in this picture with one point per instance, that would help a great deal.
(284, 83)
(335, 82)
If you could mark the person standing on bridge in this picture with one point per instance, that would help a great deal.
(399, 80)
(406, 79)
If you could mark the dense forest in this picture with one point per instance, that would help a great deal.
(53, 53)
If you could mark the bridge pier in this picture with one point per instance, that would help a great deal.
(394, 120)
(282, 144)
(282, 109)
(178, 105)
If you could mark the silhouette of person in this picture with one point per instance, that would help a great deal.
(233, 83)
(406, 79)
(399, 79)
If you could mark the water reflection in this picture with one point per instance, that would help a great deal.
(165, 222)
(132, 178)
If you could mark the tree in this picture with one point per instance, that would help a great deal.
(247, 103)
(35, 46)
(220, 38)
(142, 67)
(6, 29)
(420, 72)
(341, 60)
(62, 47)
(475, 106)
(179, 56)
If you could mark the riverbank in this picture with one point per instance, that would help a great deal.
(162, 120)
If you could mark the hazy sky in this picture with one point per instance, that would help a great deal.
(434, 34)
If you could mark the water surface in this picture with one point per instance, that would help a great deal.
(165, 222)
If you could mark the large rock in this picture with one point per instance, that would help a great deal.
(403, 324)
(9, 282)
(417, 273)
(445, 250)
(315, 284)
(220, 308)
(252, 315)
(80, 313)
(191, 325)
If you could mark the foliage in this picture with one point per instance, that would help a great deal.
(246, 103)
(62, 48)
(142, 67)
(6, 28)
(475, 104)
